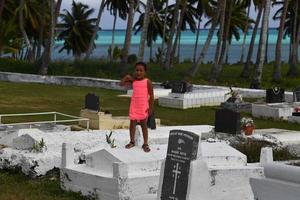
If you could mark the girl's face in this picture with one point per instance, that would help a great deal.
(139, 72)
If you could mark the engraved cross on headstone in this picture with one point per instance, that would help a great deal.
(176, 176)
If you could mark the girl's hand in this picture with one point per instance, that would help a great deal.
(126, 81)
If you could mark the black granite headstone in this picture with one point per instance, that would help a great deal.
(296, 114)
(92, 102)
(182, 149)
(275, 95)
(227, 121)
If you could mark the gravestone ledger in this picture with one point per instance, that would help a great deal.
(182, 149)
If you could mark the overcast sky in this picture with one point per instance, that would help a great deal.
(106, 23)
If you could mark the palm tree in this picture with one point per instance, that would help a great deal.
(116, 7)
(23, 31)
(127, 42)
(78, 29)
(245, 72)
(256, 80)
(92, 42)
(46, 57)
(145, 29)
(155, 26)
(247, 4)
(214, 14)
(200, 11)
(171, 35)
(277, 64)
(162, 48)
(215, 68)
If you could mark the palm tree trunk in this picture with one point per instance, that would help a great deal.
(23, 31)
(127, 42)
(91, 45)
(2, 2)
(46, 57)
(277, 64)
(293, 64)
(145, 30)
(167, 65)
(111, 56)
(267, 47)
(41, 33)
(195, 67)
(178, 51)
(164, 34)
(245, 72)
(226, 37)
(245, 35)
(197, 40)
(177, 34)
(215, 68)
(256, 80)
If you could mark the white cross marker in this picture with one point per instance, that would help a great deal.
(176, 172)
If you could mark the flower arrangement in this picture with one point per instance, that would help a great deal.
(247, 125)
(247, 122)
(110, 141)
(297, 109)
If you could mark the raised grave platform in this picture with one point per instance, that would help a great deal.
(277, 111)
(197, 98)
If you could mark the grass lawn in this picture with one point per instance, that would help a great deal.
(18, 98)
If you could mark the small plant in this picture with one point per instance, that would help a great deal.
(246, 122)
(39, 146)
(110, 141)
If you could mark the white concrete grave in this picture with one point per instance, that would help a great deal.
(277, 111)
(286, 138)
(197, 98)
(281, 181)
(26, 138)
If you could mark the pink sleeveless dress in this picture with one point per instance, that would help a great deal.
(139, 104)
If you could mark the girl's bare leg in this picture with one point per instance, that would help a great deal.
(131, 134)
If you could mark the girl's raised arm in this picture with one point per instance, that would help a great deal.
(126, 80)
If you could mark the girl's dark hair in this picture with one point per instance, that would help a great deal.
(142, 64)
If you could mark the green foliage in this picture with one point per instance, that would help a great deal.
(110, 141)
(117, 53)
(252, 150)
(39, 146)
(78, 29)
(132, 59)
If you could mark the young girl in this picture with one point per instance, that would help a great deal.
(141, 105)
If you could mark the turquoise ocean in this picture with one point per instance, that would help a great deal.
(188, 39)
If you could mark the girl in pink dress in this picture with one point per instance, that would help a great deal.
(141, 105)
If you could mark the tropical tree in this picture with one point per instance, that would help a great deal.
(277, 64)
(246, 68)
(146, 20)
(200, 10)
(116, 8)
(256, 80)
(78, 29)
(127, 42)
(215, 68)
(2, 2)
(171, 31)
(155, 26)
(214, 14)
(96, 29)
(247, 4)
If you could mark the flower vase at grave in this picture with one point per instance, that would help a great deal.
(248, 130)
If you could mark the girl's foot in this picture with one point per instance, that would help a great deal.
(130, 145)
(146, 148)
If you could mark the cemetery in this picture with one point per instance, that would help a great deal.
(186, 161)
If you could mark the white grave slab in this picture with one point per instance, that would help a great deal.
(281, 181)
(277, 111)
(288, 138)
(197, 98)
